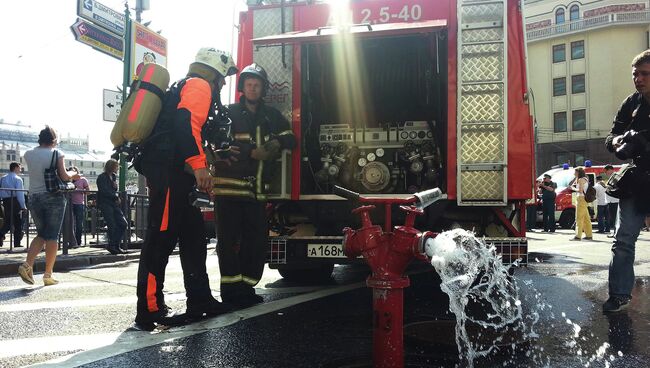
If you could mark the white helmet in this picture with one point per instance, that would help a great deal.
(218, 60)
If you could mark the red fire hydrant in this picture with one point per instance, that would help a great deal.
(388, 254)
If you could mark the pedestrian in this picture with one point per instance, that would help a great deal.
(583, 220)
(175, 166)
(601, 201)
(78, 200)
(630, 125)
(46, 208)
(261, 133)
(108, 201)
(13, 202)
(612, 204)
(547, 188)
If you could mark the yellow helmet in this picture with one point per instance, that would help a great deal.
(218, 60)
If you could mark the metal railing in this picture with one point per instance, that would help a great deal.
(588, 23)
(135, 208)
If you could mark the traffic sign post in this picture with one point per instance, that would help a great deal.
(99, 39)
(112, 105)
(102, 16)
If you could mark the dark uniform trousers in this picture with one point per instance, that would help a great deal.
(172, 219)
(242, 242)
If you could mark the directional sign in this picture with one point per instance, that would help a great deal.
(99, 39)
(112, 104)
(101, 15)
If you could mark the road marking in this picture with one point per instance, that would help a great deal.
(130, 341)
(80, 303)
(54, 344)
(67, 285)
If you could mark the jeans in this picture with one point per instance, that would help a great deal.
(603, 223)
(78, 213)
(612, 210)
(47, 210)
(548, 214)
(621, 267)
(13, 218)
(115, 222)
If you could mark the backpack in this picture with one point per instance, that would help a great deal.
(590, 194)
(143, 105)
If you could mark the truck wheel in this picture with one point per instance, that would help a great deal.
(303, 275)
(567, 218)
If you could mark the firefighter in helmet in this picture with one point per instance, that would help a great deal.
(261, 132)
(174, 162)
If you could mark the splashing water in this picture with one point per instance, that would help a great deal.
(483, 296)
(472, 275)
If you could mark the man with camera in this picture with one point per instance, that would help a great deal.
(628, 139)
(175, 165)
(547, 188)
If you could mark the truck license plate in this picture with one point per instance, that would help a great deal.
(325, 251)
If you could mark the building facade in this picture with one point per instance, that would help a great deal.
(15, 140)
(579, 55)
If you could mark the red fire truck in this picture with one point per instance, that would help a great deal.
(392, 97)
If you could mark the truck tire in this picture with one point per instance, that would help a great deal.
(567, 218)
(305, 275)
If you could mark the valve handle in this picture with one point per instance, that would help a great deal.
(364, 212)
(411, 212)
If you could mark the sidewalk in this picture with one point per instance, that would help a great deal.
(76, 258)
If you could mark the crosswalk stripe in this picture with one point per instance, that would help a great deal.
(19, 307)
(54, 344)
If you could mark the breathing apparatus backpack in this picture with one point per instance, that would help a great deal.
(143, 105)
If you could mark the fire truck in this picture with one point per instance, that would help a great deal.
(391, 97)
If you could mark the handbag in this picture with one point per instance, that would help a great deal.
(53, 182)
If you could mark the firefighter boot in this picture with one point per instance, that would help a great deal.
(210, 308)
(243, 297)
(164, 317)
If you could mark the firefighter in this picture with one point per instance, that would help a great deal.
(175, 150)
(261, 133)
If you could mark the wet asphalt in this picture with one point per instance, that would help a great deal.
(330, 324)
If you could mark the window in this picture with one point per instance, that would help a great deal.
(578, 83)
(580, 158)
(559, 86)
(577, 50)
(559, 16)
(8, 157)
(13, 157)
(574, 13)
(561, 158)
(559, 122)
(559, 53)
(578, 120)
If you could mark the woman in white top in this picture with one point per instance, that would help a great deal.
(583, 221)
(46, 208)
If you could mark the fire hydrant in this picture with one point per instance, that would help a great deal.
(388, 254)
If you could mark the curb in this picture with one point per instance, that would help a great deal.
(66, 263)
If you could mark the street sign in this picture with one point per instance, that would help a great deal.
(112, 105)
(99, 39)
(147, 46)
(101, 15)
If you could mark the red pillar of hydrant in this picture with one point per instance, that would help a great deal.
(388, 322)
(388, 254)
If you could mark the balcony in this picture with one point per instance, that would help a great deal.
(581, 25)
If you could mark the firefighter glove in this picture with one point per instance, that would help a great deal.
(270, 150)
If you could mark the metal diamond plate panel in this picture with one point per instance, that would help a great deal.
(482, 63)
(482, 143)
(482, 35)
(482, 185)
(482, 103)
(480, 13)
(268, 22)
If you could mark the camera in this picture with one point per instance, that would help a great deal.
(199, 199)
(633, 145)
